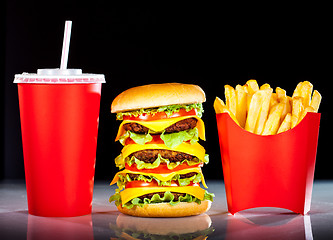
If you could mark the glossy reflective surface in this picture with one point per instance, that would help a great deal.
(107, 223)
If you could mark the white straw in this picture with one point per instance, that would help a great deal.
(65, 44)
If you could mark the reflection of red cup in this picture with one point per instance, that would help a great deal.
(268, 171)
(268, 226)
(60, 228)
(59, 124)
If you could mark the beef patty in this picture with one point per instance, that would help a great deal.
(150, 155)
(182, 125)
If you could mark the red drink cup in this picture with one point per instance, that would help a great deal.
(59, 124)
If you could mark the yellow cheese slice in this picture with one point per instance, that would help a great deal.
(161, 176)
(160, 125)
(130, 193)
(193, 149)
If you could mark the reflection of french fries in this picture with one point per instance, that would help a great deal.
(261, 111)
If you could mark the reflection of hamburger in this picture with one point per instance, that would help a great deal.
(161, 155)
(197, 227)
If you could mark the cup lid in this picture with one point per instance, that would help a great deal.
(59, 76)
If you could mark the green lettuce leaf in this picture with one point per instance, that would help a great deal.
(209, 196)
(116, 198)
(141, 139)
(119, 161)
(172, 140)
(169, 110)
(167, 197)
(206, 159)
(186, 181)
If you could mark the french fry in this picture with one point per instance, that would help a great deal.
(220, 107)
(305, 91)
(261, 111)
(264, 110)
(245, 88)
(304, 112)
(297, 108)
(289, 104)
(248, 101)
(253, 112)
(297, 91)
(248, 97)
(286, 124)
(241, 109)
(274, 100)
(281, 93)
(252, 86)
(286, 108)
(273, 122)
(265, 86)
(315, 101)
(230, 98)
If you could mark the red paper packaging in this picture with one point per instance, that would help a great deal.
(268, 171)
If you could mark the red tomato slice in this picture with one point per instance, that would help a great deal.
(162, 168)
(156, 140)
(134, 184)
(161, 115)
(137, 183)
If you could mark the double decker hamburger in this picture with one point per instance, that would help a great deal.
(161, 159)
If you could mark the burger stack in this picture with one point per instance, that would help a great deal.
(160, 163)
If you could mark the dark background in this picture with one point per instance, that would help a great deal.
(205, 45)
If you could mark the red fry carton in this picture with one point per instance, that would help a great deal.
(268, 171)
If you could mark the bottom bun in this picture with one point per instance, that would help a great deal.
(182, 209)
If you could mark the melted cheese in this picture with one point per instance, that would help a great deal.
(161, 176)
(160, 125)
(130, 193)
(193, 149)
